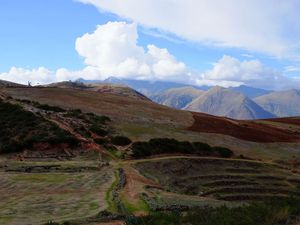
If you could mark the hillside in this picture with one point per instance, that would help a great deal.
(4, 83)
(142, 119)
(116, 89)
(251, 92)
(281, 103)
(135, 157)
(145, 87)
(224, 102)
(177, 98)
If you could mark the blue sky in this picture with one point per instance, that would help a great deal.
(35, 34)
(42, 33)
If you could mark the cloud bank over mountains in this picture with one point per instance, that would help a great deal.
(112, 49)
(229, 71)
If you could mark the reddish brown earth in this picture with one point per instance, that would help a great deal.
(246, 130)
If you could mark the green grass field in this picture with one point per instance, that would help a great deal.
(225, 180)
(38, 197)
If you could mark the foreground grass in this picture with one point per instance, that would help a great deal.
(35, 198)
(274, 212)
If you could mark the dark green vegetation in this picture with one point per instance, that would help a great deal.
(120, 140)
(170, 146)
(45, 107)
(21, 129)
(95, 128)
(94, 123)
(272, 212)
(222, 179)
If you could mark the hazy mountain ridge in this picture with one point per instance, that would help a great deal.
(145, 87)
(253, 103)
(110, 88)
(251, 92)
(281, 103)
(177, 97)
(225, 102)
(241, 102)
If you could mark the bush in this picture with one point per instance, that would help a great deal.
(120, 140)
(48, 107)
(21, 129)
(97, 119)
(81, 130)
(51, 223)
(75, 113)
(199, 146)
(95, 128)
(223, 152)
(100, 141)
(169, 146)
(141, 149)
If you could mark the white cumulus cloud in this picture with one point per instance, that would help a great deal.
(40, 75)
(229, 71)
(113, 49)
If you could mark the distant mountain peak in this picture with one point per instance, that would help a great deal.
(281, 103)
(220, 101)
(216, 89)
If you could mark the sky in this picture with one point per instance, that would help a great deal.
(199, 42)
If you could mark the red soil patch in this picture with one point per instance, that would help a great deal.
(246, 130)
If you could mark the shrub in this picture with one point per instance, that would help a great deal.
(223, 152)
(97, 119)
(141, 149)
(169, 146)
(95, 128)
(51, 223)
(21, 129)
(120, 140)
(100, 141)
(75, 113)
(81, 130)
(199, 146)
(48, 107)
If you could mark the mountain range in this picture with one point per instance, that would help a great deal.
(241, 102)
(225, 102)
(281, 103)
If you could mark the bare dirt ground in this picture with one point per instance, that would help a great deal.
(246, 130)
(135, 184)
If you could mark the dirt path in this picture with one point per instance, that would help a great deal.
(64, 126)
(165, 157)
(135, 185)
(110, 223)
